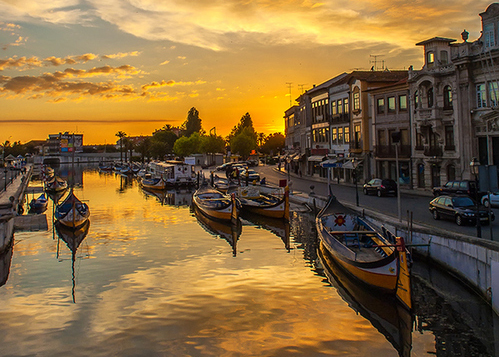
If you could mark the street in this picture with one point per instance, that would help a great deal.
(409, 203)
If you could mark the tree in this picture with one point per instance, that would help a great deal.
(192, 124)
(212, 144)
(243, 143)
(186, 146)
(162, 142)
(144, 148)
(260, 138)
(245, 123)
(121, 135)
(272, 143)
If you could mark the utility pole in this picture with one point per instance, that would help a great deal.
(301, 87)
(289, 87)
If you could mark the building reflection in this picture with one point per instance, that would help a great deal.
(170, 197)
(279, 227)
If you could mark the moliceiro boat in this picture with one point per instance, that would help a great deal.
(215, 204)
(39, 204)
(55, 184)
(369, 256)
(72, 212)
(268, 204)
(153, 183)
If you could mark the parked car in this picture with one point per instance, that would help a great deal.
(464, 187)
(461, 209)
(253, 175)
(494, 199)
(224, 167)
(381, 187)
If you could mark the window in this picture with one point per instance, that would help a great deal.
(481, 96)
(451, 172)
(391, 104)
(419, 141)
(340, 106)
(333, 108)
(356, 101)
(493, 94)
(382, 137)
(444, 57)
(488, 35)
(402, 103)
(430, 58)
(346, 133)
(346, 108)
(416, 99)
(404, 137)
(449, 137)
(334, 136)
(381, 106)
(340, 135)
(357, 136)
(430, 98)
(447, 97)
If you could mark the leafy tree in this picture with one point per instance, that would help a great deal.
(162, 142)
(272, 143)
(144, 148)
(186, 146)
(244, 143)
(121, 135)
(212, 144)
(192, 123)
(245, 123)
(260, 138)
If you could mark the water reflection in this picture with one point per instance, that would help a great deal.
(73, 238)
(5, 260)
(170, 197)
(229, 232)
(462, 323)
(279, 227)
(388, 316)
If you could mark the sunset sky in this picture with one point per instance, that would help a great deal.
(100, 66)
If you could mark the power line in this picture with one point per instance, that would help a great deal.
(289, 87)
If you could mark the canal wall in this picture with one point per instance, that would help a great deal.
(472, 260)
(11, 201)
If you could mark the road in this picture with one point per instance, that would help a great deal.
(409, 203)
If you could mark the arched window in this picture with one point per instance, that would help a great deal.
(430, 98)
(447, 97)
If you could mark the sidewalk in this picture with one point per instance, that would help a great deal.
(417, 192)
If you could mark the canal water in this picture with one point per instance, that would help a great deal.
(150, 277)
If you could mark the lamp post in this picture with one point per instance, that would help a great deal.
(474, 165)
(5, 172)
(355, 163)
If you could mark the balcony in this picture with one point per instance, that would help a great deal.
(388, 151)
(433, 151)
(340, 118)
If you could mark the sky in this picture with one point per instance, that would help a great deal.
(97, 67)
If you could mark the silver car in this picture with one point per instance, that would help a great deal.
(494, 200)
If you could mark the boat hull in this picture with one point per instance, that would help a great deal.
(215, 205)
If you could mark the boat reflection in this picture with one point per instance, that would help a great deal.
(170, 197)
(383, 311)
(5, 260)
(72, 238)
(279, 227)
(229, 232)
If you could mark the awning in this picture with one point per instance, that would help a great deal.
(331, 163)
(298, 157)
(350, 164)
(317, 158)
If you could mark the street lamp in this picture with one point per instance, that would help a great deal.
(5, 172)
(474, 167)
(355, 163)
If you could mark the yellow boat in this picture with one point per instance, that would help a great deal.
(215, 204)
(379, 260)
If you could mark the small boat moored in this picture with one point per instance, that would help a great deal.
(72, 212)
(39, 204)
(55, 184)
(215, 204)
(273, 204)
(379, 260)
(153, 183)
